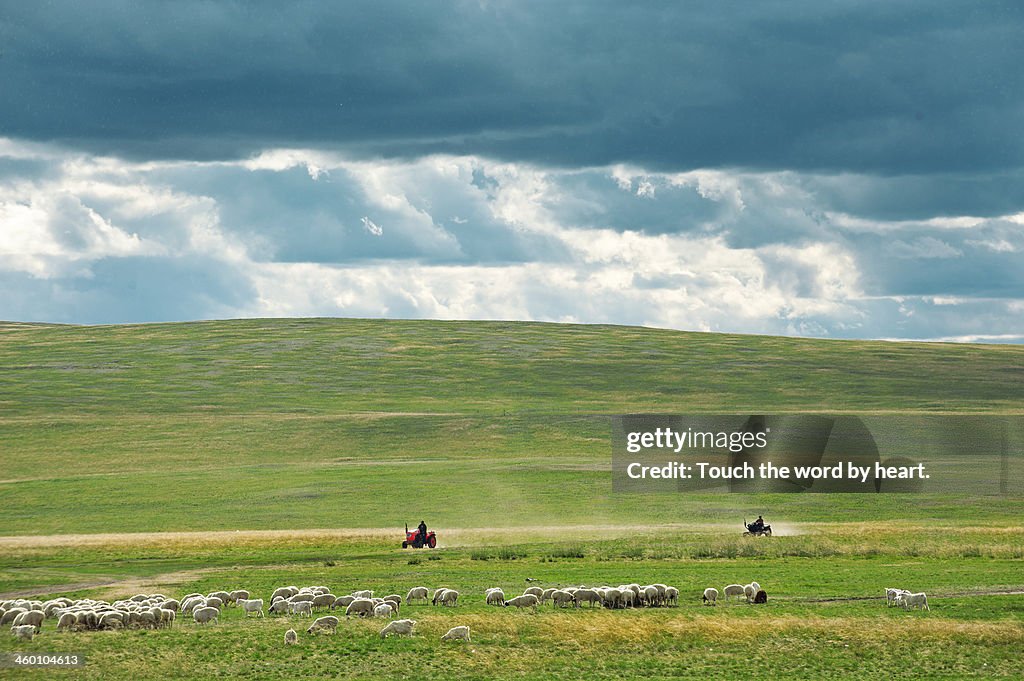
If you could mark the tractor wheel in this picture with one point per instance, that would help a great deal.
(432, 542)
(405, 545)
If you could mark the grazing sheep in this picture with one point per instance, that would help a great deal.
(761, 596)
(383, 610)
(251, 605)
(224, 596)
(417, 593)
(342, 602)
(672, 596)
(278, 607)
(757, 587)
(651, 595)
(561, 599)
(11, 615)
(586, 596)
(237, 595)
(397, 598)
(301, 598)
(167, 616)
(711, 595)
(360, 606)
(328, 623)
(366, 593)
(734, 590)
(437, 596)
(495, 597)
(204, 615)
(536, 591)
(400, 627)
(546, 596)
(214, 602)
(918, 600)
(524, 601)
(33, 617)
(290, 637)
(170, 604)
(24, 632)
(190, 604)
(457, 634)
(284, 592)
(66, 621)
(323, 600)
(611, 598)
(301, 608)
(450, 597)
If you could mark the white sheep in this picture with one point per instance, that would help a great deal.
(238, 595)
(301, 608)
(24, 632)
(562, 599)
(495, 597)
(536, 591)
(400, 627)
(417, 593)
(891, 595)
(342, 602)
(204, 615)
(290, 637)
(360, 606)
(918, 600)
(366, 593)
(251, 605)
(284, 592)
(586, 596)
(734, 590)
(524, 601)
(279, 607)
(457, 634)
(32, 617)
(710, 595)
(383, 610)
(66, 621)
(328, 623)
(672, 596)
(449, 597)
(11, 615)
(437, 596)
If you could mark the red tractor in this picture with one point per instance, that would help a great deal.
(414, 539)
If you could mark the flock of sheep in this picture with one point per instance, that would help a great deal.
(753, 593)
(26, 617)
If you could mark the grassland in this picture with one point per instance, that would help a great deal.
(292, 451)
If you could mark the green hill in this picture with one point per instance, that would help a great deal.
(331, 422)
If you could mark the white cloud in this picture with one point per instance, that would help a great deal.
(470, 238)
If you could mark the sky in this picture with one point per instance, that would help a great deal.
(829, 169)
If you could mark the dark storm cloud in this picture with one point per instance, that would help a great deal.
(890, 88)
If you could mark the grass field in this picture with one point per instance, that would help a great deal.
(293, 451)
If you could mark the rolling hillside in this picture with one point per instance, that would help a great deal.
(312, 423)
